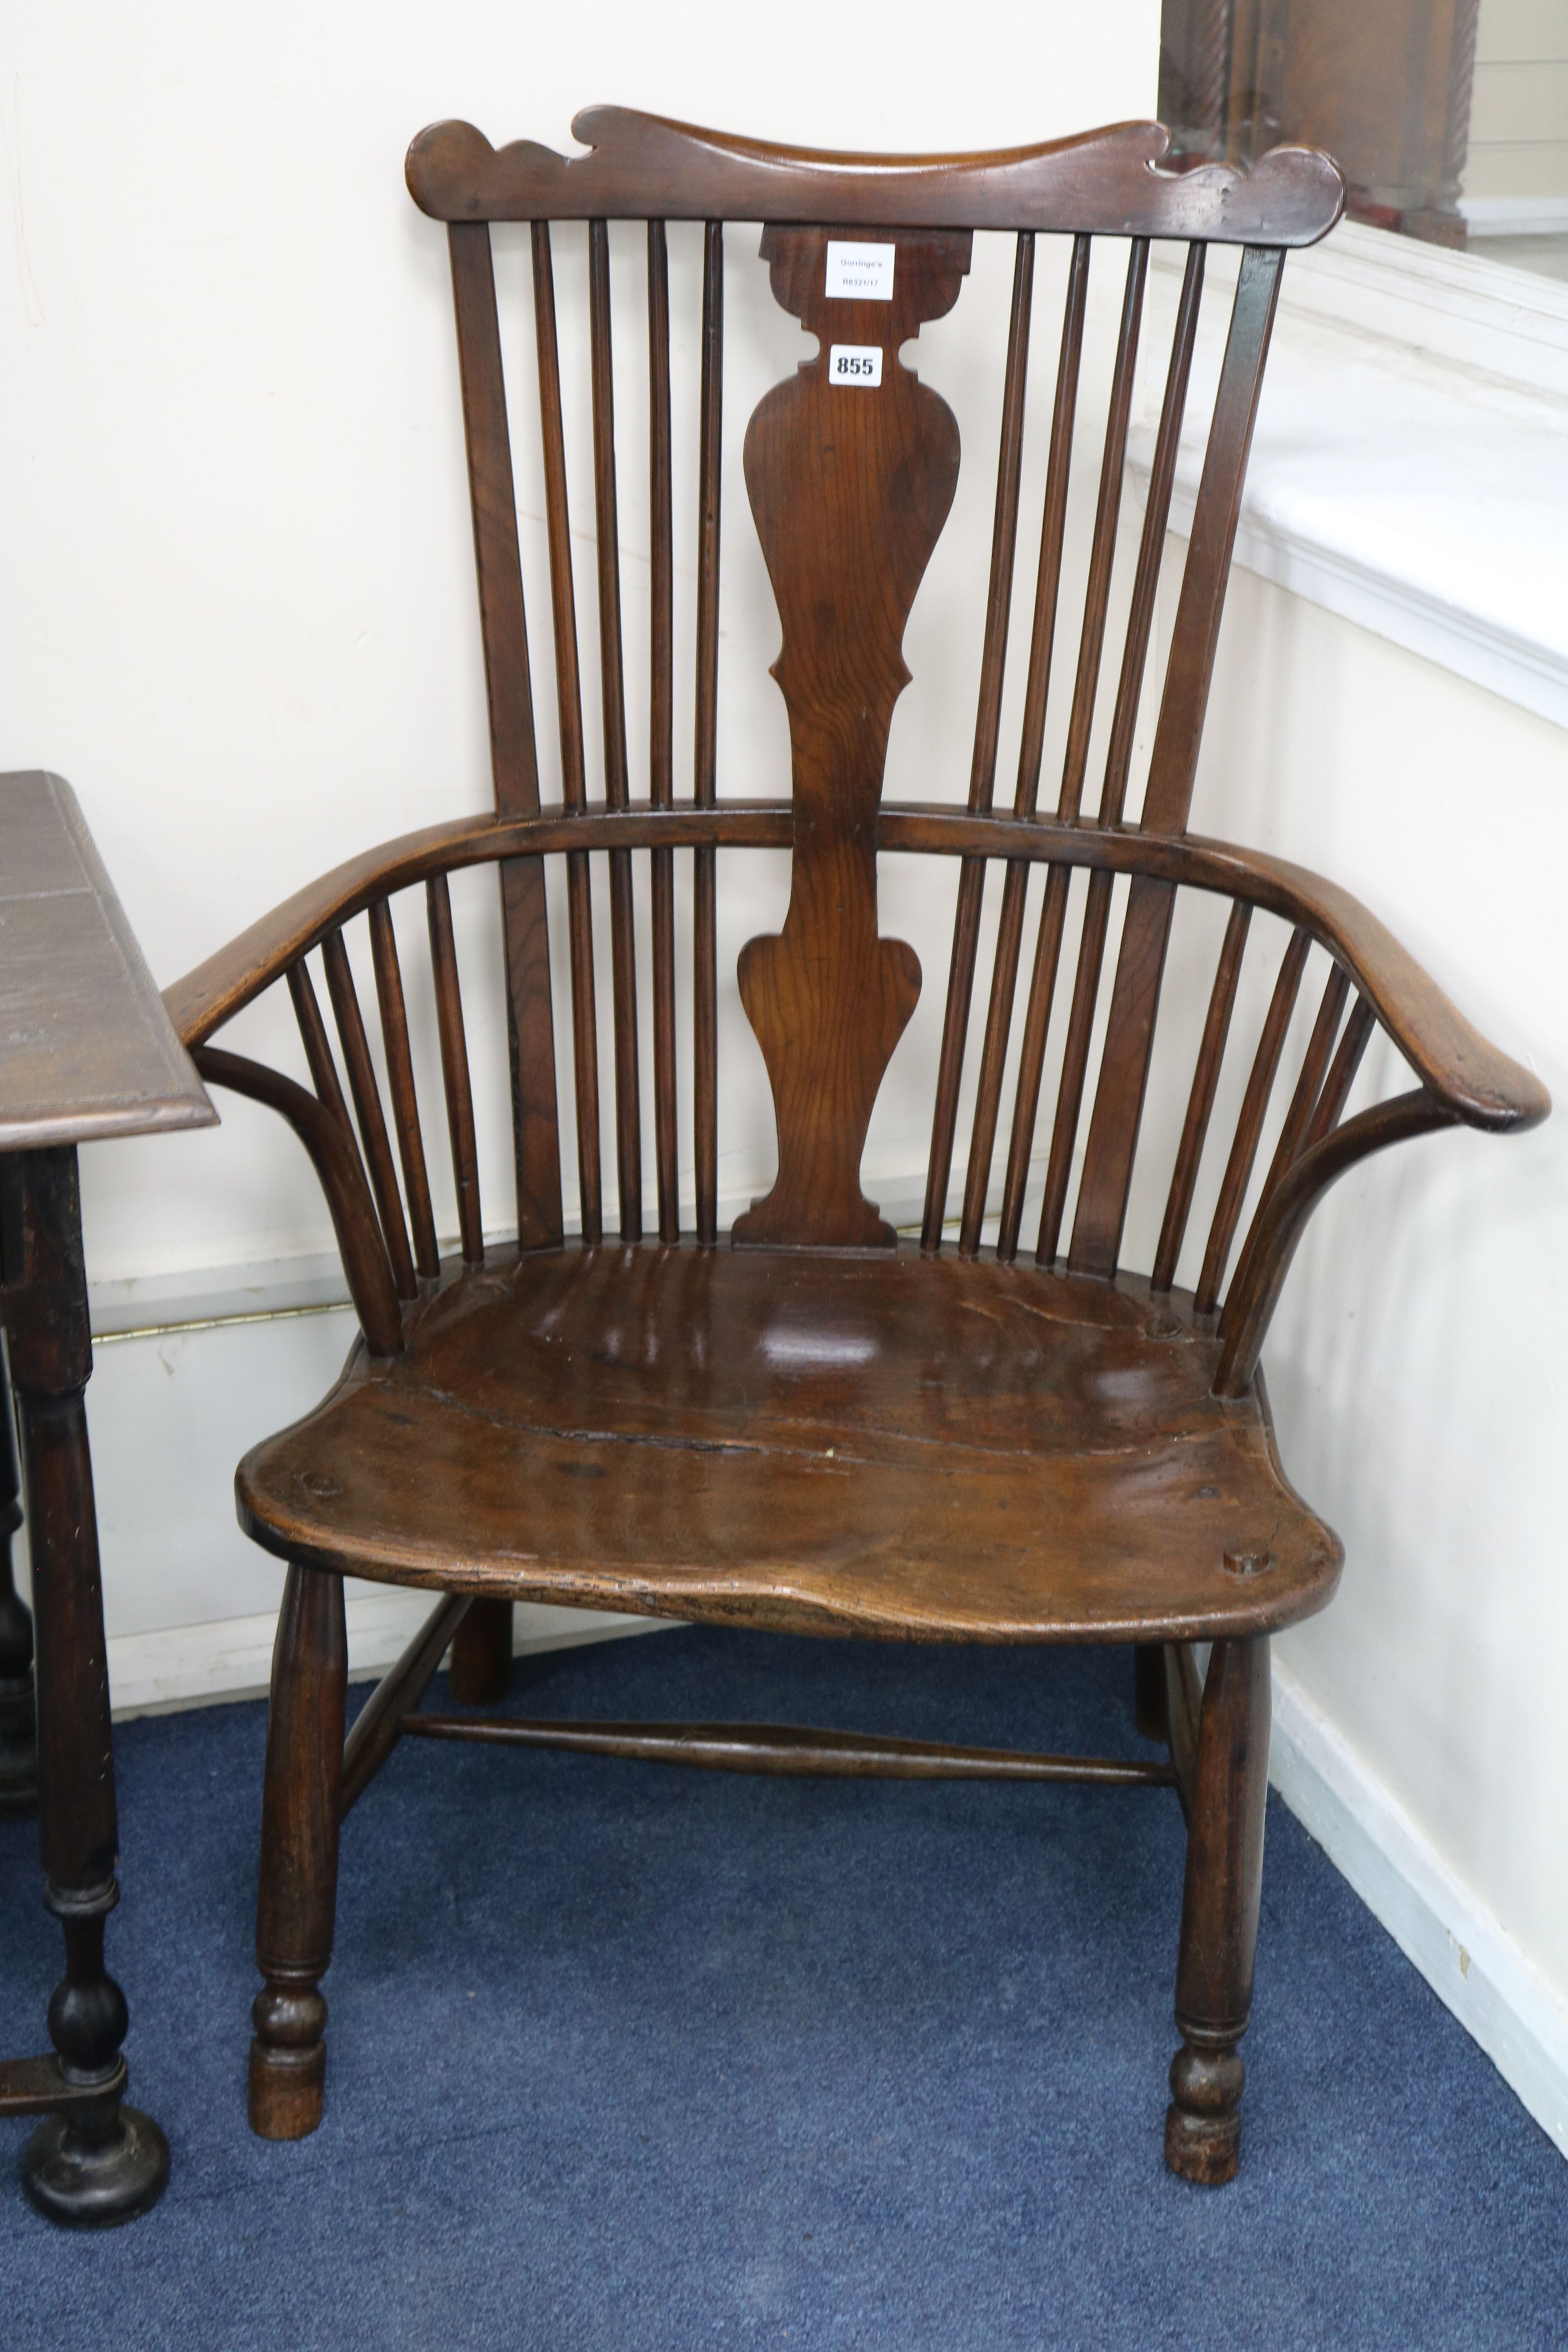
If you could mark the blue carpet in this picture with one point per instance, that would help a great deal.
(624, 2057)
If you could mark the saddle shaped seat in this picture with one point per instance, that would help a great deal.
(957, 1450)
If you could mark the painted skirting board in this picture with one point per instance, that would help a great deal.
(231, 1657)
(1473, 1968)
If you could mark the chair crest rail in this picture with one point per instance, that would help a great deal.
(642, 166)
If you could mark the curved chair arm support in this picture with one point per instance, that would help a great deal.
(1480, 1085)
(1282, 1219)
(1454, 1062)
(227, 981)
(222, 986)
(360, 1244)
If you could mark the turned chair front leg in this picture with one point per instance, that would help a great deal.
(300, 1815)
(1219, 1914)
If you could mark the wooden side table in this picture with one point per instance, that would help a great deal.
(19, 1717)
(86, 1052)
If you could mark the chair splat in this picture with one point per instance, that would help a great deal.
(851, 468)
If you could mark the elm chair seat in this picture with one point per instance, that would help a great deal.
(958, 1452)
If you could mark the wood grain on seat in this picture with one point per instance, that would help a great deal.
(877, 1445)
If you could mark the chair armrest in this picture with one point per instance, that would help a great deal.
(217, 990)
(1482, 1086)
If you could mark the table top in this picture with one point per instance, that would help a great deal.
(86, 1048)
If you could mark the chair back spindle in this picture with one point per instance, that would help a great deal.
(705, 764)
(661, 731)
(612, 695)
(368, 1111)
(1341, 1074)
(569, 712)
(1200, 1101)
(394, 1014)
(454, 1070)
(513, 749)
(988, 732)
(1052, 912)
(1303, 1102)
(1249, 1126)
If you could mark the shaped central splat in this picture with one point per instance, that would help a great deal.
(850, 468)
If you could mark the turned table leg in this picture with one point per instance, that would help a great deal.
(99, 2161)
(18, 1721)
(301, 1809)
(1219, 1914)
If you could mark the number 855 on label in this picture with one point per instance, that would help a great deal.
(858, 364)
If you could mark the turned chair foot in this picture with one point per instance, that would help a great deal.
(1203, 2123)
(298, 1896)
(288, 2061)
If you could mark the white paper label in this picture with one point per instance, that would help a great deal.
(855, 363)
(859, 273)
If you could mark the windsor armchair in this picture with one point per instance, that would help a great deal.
(811, 1424)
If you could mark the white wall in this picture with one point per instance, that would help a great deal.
(1416, 1363)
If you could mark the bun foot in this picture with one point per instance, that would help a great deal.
(1203, 2148)
(92, 2168)
(288, 2063)
(1203, 2124)
(285, 2092)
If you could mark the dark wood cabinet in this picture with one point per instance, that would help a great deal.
(1384, 89)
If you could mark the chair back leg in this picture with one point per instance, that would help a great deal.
(481, 1654)
(1219, 1914)
(298, 1896)
(1149, 1692)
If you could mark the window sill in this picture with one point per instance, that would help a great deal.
(1411, 457)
